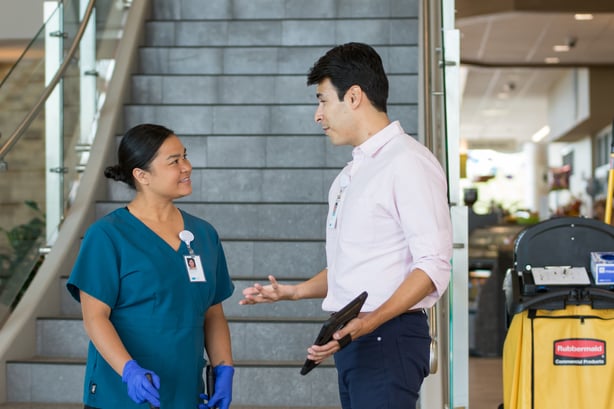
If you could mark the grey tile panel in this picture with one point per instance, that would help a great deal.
(61, 337)
(247, 89)
(286, 260)
(44, 382)
(375, 31)
(66, 338)
(256, 386)
(246, 119)
(278, 9)
(292, 60)
(253, 340)
(257, 151)
(254, 221)
(253, 386)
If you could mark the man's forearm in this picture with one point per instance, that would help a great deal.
(411, 291)
(315, 287)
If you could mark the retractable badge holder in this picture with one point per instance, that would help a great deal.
(187, 237)
(192, 261)
(344, 182)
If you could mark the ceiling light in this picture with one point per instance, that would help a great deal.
(541, 134)
(583, 16)
(552, 60)
(561, 48)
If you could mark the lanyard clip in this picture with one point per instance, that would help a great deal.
(187, 237)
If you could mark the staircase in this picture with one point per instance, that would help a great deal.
(228, 76)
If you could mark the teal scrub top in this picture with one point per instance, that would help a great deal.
(155, 308)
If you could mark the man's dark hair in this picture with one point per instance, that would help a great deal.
(353, 64)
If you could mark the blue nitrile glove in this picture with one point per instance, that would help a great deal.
(222, 395)
(140, 389)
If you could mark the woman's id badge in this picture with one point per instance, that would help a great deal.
(194, 268)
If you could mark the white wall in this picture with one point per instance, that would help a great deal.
(20, 19)
(568, 102)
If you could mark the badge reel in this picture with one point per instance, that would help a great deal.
(344, 182)
(192, 261)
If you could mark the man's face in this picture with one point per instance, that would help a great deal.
(334, 116)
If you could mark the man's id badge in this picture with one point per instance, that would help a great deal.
(194, 268)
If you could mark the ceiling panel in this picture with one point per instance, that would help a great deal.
(507, 79)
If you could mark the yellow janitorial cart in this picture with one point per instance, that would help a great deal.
(558, 351)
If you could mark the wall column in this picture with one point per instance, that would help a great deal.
(536, 189)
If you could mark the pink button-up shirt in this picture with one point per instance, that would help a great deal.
(388, 215)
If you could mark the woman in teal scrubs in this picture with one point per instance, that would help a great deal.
(150, 316)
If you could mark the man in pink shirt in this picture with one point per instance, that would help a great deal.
(388, 232)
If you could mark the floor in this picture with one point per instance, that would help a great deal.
(485, 383)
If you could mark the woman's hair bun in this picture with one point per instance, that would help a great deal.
(114, 172)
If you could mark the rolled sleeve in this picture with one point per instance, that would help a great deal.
(422, 206)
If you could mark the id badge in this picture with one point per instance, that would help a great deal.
(194, 268)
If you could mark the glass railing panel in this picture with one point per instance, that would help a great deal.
(22, 175)
(108, 18)
(71, 102)
(23, 183)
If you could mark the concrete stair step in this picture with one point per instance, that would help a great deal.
(254, 221)
(261, 152)
(283, 385)
(300, 309)
(256, 383)
(289, 59)
(45, 379)
(246, 119)
(229, 89)
(249, 119)
(65, 338)
(277, 9)
(248, 185)
(274, 32)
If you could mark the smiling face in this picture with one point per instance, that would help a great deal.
(169, 173)
(335, 117)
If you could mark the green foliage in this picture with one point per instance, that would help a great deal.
(21, 237)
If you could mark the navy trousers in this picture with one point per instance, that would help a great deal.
(385, 369)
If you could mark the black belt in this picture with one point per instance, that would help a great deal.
(415, 311)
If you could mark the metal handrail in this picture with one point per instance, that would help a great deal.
(429, 56)
(25, 123)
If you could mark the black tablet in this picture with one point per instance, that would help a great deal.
(336, 321)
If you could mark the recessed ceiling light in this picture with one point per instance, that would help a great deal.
(552, 60)
(540, 134)
(561, 48)
(583, 16)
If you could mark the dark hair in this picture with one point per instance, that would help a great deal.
(137, 149)
(353, 64)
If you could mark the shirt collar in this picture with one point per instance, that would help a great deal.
(372, 145)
